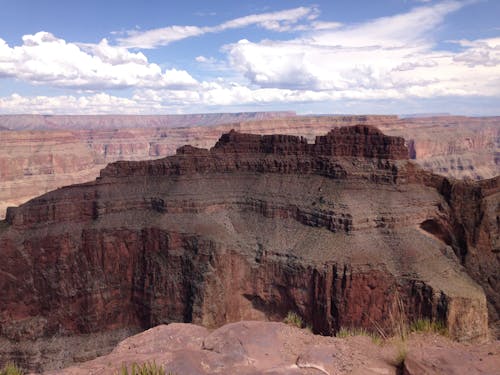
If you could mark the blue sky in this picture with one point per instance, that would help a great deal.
(351, 56)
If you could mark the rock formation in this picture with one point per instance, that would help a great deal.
(275, 348)
(342, 231)
(64, 150)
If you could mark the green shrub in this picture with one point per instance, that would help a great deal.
(294, 319)
(11, 369)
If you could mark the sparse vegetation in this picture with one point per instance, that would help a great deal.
(11, 369)
(294, 319)
(397, 331)
(399, 319)
(428, 326)
(402, 351)
(348, 332)
(144, 369)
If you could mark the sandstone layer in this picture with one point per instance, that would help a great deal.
(50, 155)
(274, 348)
(342, 231)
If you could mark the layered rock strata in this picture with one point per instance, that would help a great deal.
(63, 150)
(345, 231)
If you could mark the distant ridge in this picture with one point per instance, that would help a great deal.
(89, 122)
(417, 115)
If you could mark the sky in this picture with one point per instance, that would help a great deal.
(323, 56)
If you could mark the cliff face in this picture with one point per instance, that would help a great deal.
(33, 162)
(73, 149)
(455, 146)
(339, 231)
(42, 153)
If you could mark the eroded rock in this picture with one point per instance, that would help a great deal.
(252, 229)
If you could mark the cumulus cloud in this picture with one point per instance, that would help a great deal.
(48, 60)
(389, 58)
(284, 20)
(481, 52)
(385, 55)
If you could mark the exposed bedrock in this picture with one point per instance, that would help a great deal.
(42, 153)
(343, 231)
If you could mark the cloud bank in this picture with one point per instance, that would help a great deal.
(44, 59)
(390, 58)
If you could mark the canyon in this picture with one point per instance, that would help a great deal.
(41, 153)
(342, 231)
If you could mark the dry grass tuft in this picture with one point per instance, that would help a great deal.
(11, 369)
(428, 326)
(294, 319)
(349, 332)
(402, 352)
(144, 369)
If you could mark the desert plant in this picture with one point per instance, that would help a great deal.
(402, 352)
(149, 368)
(294, 319)
(398, 318)
(11, 369)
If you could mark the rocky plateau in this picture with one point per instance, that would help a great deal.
(42, 153)
(342, 231)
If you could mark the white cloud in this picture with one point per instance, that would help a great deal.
(385, 55)
(203, 59)
(159, 37)
(284, 20)
(276, 21)
(113, 55)
(101, 103)
(414, 27)
(48, 60)
(390, 58)
(322, 25)
(481, 52)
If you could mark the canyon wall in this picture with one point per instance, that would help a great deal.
(106, 122)
(72, 149)
(342, 231)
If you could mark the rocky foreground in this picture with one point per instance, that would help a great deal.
(275, 348)
(342, 231)
(42, 153)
